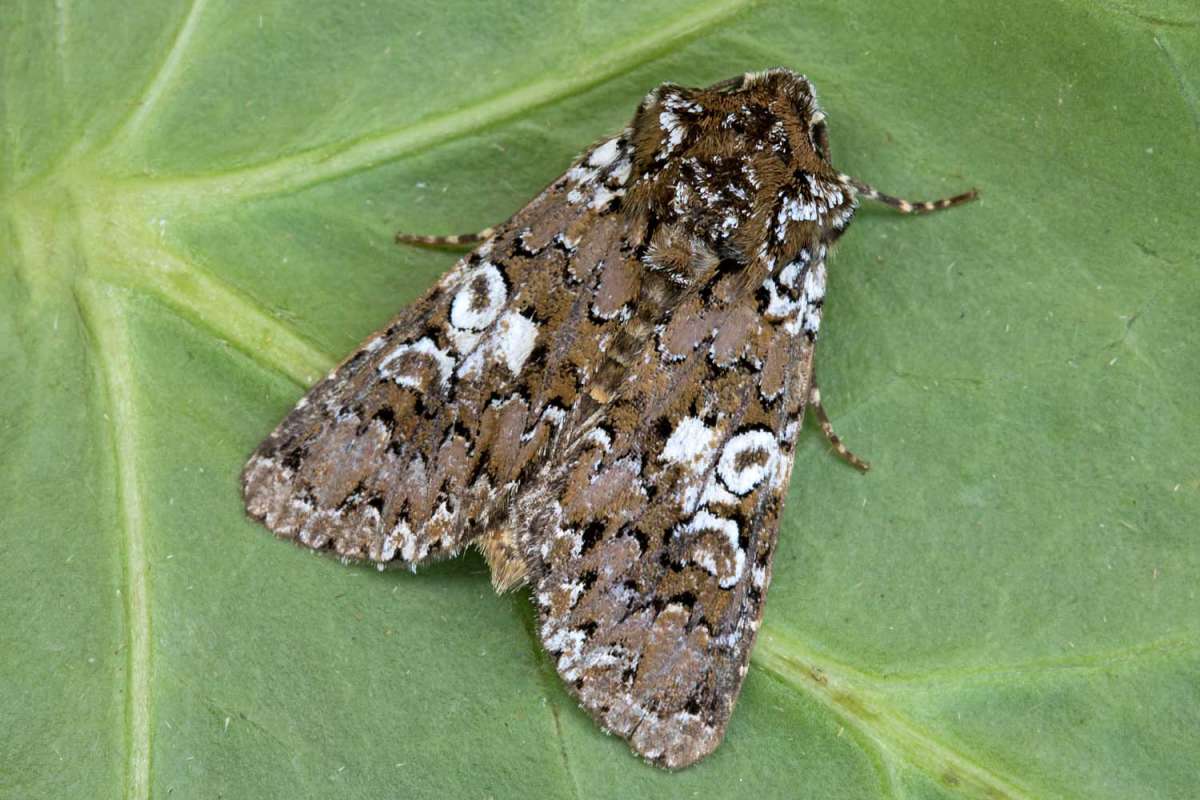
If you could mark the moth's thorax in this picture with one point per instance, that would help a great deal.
(743, 163)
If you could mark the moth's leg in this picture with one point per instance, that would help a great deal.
(459, 240)
(814, 401)
(908, 206)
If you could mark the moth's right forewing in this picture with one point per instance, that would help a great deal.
(654, 553)
(652, 537)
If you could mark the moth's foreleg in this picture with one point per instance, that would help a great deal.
(814, 402)
(458, 240)
(907, 206)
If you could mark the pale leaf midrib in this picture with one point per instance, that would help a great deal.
(136, 259)
(111, 348)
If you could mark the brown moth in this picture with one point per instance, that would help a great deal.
(604, 398)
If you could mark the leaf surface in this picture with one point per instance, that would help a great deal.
(197, 203)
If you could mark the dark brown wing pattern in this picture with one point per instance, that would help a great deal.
(605, 397)
(654, 550)
(650, 542)
(412, 447)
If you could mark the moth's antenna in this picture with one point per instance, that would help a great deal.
(458, 240)
(907, 206)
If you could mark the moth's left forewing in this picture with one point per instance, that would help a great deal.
(412, 447)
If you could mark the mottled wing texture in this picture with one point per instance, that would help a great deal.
(655, 552)
(652, 537)
(605, 398)
(414, 446)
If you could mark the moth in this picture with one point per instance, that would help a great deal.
(604, 398)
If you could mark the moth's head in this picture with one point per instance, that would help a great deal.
(775, 109)
(740, 160)
(786, 96)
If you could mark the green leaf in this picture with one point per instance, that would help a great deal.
(197, 210)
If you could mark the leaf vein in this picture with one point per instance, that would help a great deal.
(167, 71)
(550, 685)
(854, 697)
(1186, 90)
(340, 159)
(212, 304)
(111, 349)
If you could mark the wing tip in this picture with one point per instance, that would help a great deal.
(676, 742)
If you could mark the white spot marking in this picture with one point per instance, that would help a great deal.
(790, 275)
(741, 479)
(814, 294)
(689, 443)
(714, 492)
(463, 313)
(605, 154)
(425, 346)
(600, 438)
(409, 550)
(704, 521)
(464, 341)
(517, 336)
(621, 172)
(673, 128)
(778, 305)
(472, 365)
(602, 196)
